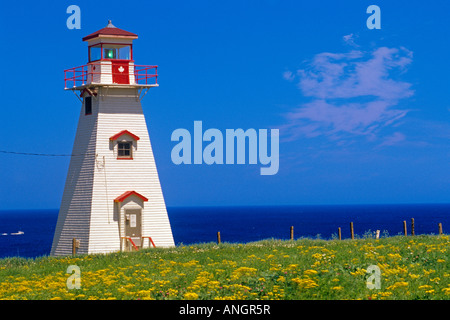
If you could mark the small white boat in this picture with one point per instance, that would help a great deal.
(4, 234)
(17, 233)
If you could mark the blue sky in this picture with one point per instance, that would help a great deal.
(363, 114)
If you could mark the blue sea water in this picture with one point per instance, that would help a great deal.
(240, 224)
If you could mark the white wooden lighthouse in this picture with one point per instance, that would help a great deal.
(112, 198)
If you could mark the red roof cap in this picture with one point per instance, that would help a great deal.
(121, 133)
(111, 30)
(125, 195)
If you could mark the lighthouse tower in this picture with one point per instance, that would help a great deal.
(112, 198)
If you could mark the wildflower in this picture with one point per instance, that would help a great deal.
(337, 288)
(394, 255)
(435, 279)
(317, 256)
(305, 283)
(310, 272)
(446, 291)
(425, 287)
(385, 294)
(398, 285)
(239, 272)
(359, 272)
(190, 296)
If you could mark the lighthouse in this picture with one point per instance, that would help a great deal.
(112, 198)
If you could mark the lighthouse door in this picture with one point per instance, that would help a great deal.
(120, 72)
(133, 225)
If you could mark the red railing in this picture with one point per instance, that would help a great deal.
(131, 242)
(78, 76)
(150, 241)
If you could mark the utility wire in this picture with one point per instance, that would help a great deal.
(44, 154)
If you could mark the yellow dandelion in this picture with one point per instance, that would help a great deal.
(425, 287)
(446, 291)
(310, 272)
(337, 288)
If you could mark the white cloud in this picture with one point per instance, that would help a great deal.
(394, 139)
(352, 93)
(350, 40)
(288, 75)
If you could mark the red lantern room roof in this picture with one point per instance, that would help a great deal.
(111, 31)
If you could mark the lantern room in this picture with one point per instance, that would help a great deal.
(110, 55)
(110, 43)
(110, 61)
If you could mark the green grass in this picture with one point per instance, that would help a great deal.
(411, 268)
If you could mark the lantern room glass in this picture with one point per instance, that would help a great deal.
(110, 52)
(95, 53)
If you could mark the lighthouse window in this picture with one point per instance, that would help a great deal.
(110, 53)
(87, 105)
(95, 53)
(124, 53)
(124, 150)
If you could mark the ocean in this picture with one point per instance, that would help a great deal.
(29, 233)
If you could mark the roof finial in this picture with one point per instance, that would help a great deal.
(110, 25)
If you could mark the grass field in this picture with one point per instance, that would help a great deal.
(411, 268)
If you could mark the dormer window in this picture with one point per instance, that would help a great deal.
(124, 144)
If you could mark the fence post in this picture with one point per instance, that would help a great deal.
(405, 231)
(75, 246)
(440, 228)
(339, 233)
(412, 227)
(218, 237)
(292, 232)
(351, 230)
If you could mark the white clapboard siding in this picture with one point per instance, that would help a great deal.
(88, 211)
